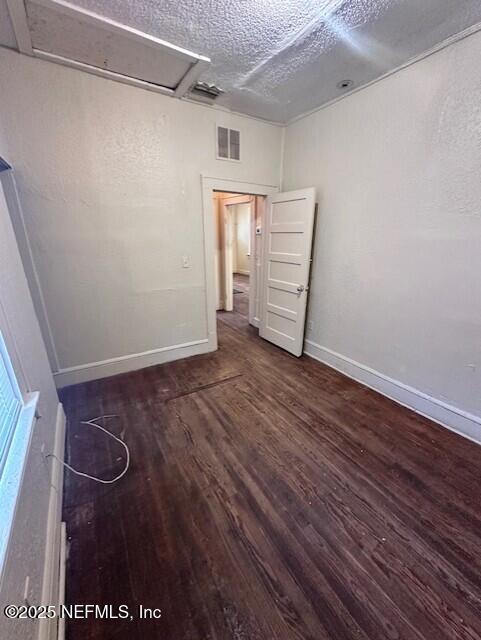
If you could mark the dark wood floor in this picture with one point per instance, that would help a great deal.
(270, 498)
(241, 298)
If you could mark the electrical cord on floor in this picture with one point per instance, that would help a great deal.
(93, 423)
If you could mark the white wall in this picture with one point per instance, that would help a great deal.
(242, 214)
(19, 327)
(397, 260)
(109, 179)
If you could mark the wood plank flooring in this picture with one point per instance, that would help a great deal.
(241, 299)
(269, 498)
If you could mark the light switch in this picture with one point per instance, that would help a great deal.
(186, 262)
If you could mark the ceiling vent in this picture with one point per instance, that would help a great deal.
(205, 92)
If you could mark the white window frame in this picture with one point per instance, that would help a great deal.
(15, 389)
(14, 457)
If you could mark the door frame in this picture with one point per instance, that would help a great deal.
(209, 184)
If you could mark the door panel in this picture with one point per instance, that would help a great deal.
(287, 257)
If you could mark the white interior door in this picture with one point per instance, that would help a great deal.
(289, 225)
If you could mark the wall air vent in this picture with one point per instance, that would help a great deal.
(205, 92)
(228, 144)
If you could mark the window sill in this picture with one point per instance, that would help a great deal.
(12, 475)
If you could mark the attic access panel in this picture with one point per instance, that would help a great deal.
(65, 33)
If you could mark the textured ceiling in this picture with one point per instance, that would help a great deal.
(276, 59)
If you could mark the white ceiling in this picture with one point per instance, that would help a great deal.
(276, 59)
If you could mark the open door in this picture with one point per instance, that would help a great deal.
(288, 232)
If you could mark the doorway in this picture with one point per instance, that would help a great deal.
(281, 283)
(233, 265)
(238, 253)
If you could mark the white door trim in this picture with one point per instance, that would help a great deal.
(209, 185)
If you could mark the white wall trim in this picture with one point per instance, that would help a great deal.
(283, 149)
(240, 187)
(242, 272)
(62, 579)
(130, 362)
(464, 423)
(222, 109)
(457, 37)
(47, 629)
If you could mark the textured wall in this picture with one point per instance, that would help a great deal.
(397, 256)
(109, 178)
(20, 329)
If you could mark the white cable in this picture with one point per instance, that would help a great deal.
(97, 426)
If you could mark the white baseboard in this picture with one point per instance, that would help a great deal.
(242, 272)
(62, 579)
(131, 362)
(52, 570)
(462, 422)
